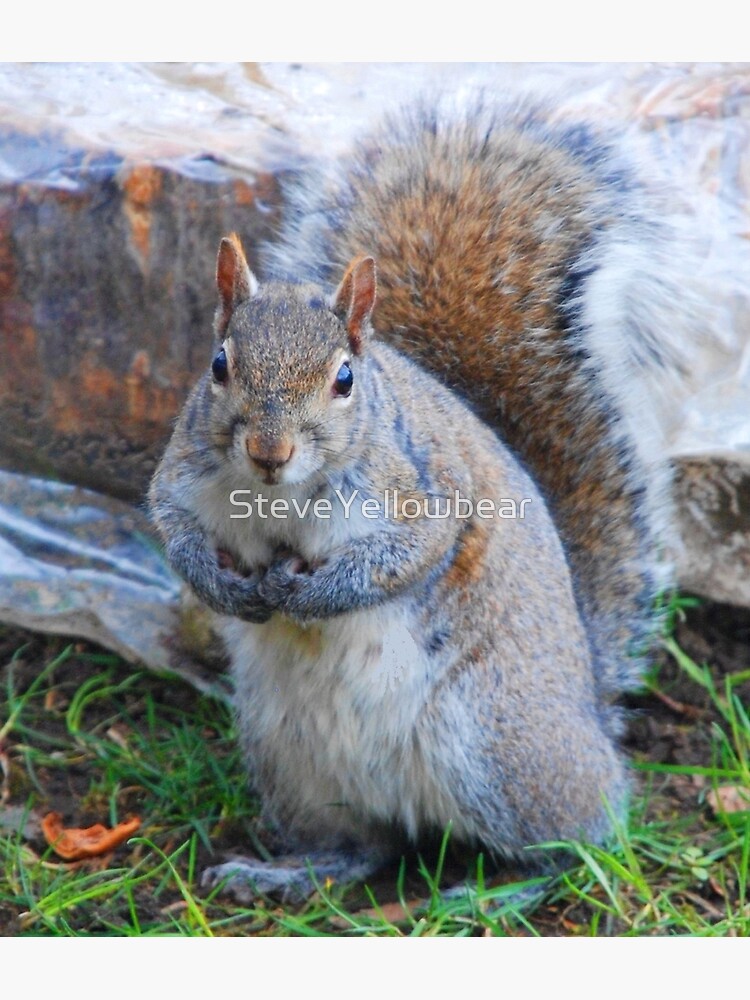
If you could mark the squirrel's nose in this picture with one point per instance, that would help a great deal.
(268, 455)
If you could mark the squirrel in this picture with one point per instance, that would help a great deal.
(467, 309)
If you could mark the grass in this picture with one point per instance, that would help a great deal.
(83, 734)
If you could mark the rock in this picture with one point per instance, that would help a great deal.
(713, 502)
(107, 302)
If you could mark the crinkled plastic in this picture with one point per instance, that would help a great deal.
(75, 563)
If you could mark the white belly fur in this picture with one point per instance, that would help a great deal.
(330, 709)
(350, 690)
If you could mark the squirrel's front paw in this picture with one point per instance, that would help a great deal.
(284, 584)
(239, 596)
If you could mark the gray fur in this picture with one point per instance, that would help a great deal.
(397, 675)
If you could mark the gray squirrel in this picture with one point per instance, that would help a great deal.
(474, 308)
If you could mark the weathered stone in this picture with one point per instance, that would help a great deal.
(107, 303)
(713, 502)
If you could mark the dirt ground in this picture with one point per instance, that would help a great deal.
(673, 728)
(678, 733)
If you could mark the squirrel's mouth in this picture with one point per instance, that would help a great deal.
(272, 461)
(299, 465)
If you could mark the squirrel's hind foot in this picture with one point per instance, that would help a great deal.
(290, 878)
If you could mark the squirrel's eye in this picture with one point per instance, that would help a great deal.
(343, 384)
(219, 366)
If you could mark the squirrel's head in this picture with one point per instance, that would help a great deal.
(284, 379)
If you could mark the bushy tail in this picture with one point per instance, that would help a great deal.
(522, 264)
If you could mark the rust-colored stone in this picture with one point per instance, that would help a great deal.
(142, 185)
(106, 304)
(243, 193)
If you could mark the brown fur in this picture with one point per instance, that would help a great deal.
(467, 566)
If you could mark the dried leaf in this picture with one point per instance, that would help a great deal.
(119, 734)
(569, 925)
(728, 799)
(74, 844)
(55, 701)
(717, 888)
(679, 707)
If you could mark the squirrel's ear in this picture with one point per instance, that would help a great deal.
(234, 279)
(354, 299)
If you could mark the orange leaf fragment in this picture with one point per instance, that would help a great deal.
(73, 844)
